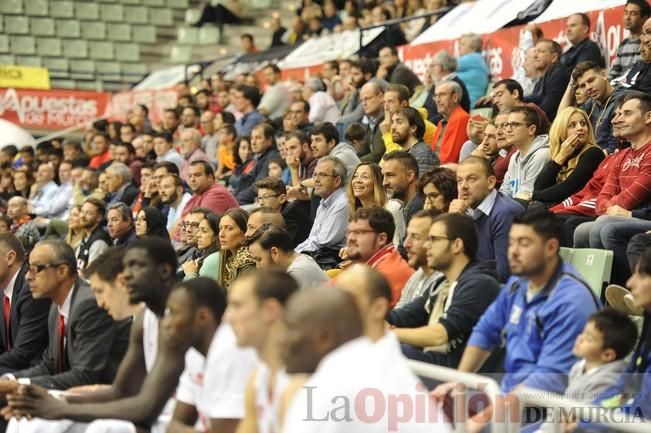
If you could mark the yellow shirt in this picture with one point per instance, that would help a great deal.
(430, 130)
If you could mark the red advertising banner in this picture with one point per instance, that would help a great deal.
(502, 52)
(156, 100)
(51, 109)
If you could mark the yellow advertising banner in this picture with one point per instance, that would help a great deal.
(24, 77)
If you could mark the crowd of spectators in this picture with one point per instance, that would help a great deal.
(438, 207)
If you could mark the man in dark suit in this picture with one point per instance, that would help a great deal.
(23, 326)
(85, 344)
(549, 89)
(119, 181)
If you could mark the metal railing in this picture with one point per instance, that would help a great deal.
(483, 384)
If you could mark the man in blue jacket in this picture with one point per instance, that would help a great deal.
(491, 210)
(539, 313)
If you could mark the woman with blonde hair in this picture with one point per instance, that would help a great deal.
(574, 157)
(365, 190)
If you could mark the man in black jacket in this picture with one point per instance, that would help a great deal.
(549, 89)
(85, 344)
(396, 72)
(583, 48)
(24, 319)
(435, 327)
(263, 146)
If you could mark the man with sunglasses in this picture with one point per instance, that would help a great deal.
(85, 344)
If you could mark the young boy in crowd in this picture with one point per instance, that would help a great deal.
(607, 339)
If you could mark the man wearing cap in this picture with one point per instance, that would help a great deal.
(323, 107)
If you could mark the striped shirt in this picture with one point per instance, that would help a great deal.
(628, 184)
(627, 54)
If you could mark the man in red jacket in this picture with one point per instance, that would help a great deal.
(206, 192)
(451, 130)
(628, 185)
(368, 240)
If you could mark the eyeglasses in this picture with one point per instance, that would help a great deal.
(511, 125)
(320, 175)
(190, 225)
(359, 232)
(37, 269)
(433, 238)
(267, 196)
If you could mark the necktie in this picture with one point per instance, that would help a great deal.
(62, 346)
(7, 311)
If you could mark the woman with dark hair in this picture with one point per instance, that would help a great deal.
(235, 256)
(113, 131)
(151, 222)
(205, 260)
(439, 187)
(244, 161)
(23, 180)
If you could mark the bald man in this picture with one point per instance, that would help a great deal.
(262, 216)
(324, 337)
(46, 190)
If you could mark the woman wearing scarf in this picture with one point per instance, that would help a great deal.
(151, 222)
(235, 256)
(206, 258)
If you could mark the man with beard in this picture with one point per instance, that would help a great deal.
(400, 180)
(95, 240)
(368, 240)
(424, 277)
(491, 210)
(407, 130)
(173, 193)
(541, 310)
(435, 327)
(360, 73)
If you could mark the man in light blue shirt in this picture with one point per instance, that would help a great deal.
(328, 232)
(46, 190)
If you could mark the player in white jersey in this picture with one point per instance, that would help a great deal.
(141, 387)
(255, 312)
(357, 385)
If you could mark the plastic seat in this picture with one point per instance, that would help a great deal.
(29, 61)
(208, 35)
(136, 14)
(118, 32)
(57, 66)
(112, 13)
(17, 25)
(260, 4)
(63, 9)
(42, 26)
(566, 254)
(103, 50)
(93, 30)
(144, 34)
(23, 44)
(161, 17)
(63, 84)
(187, 35)
(109, 71)
(133, 71)
(7, 59)
(178, 4)
(4, 45)
(154, 3)
(86, 66)
(594, 266)
(126, 52)
(11, 6)
(192, 16)
(49, 47)
(180, 54)
(68, 29)
(37, 8)
(87, 11)
(75, 49)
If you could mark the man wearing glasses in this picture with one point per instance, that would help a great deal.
(436, 326)
(369, 240)
(85, 344)
(328, 231)
(531, 156)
